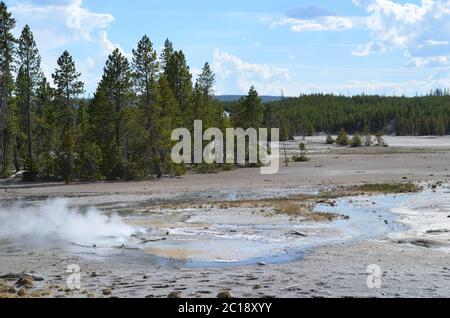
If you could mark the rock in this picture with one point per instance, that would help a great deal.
(291, 288)
(175, 294)
(257, 287)
(437, 231)
(106, 292)
(225, 294)
(22, 292)
(298, 233)
(262, 264)
(11, 276)
(94, 274)
(426, 243)
(26, 282)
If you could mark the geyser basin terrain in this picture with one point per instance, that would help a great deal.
(213, 236)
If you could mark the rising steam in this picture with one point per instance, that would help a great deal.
(55, 220)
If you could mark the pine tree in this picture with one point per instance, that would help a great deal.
(380, 138)
(145, 72)
(206, 81)
(170, 120)
(251, 111)
(102, 133)
(356, 140)
(203, 91)
(27, 84)
(7, 50)
(116, 86)
(46, 119)
(302, 157)
(180, 80)
(367, 136)
(342, 139)
(166, 56)
(88, 153)
(68, 88)
(330, 140)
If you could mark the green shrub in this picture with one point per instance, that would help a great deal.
(342, 138)
(330, 140)
(356, 141)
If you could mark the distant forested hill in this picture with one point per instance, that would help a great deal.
(309, 114)
(429, 115)
(235, 98)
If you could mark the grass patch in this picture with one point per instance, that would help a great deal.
(300, 159)
(301, 205)
(387, 188)
(7, 291)
(304, 210)
(205, 168)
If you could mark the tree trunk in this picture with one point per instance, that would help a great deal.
(4, 152)
(15, 157)
(30, 146)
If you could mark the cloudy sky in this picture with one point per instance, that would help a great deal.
(295, 46)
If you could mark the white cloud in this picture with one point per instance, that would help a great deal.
(354, 87)
(421, 30)
(369, 48)
(67, 24)
(368, 87)
(56, 25)
(238, 75)
(323, 23)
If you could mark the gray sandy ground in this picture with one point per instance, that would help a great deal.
(329, 271)
(332, 271)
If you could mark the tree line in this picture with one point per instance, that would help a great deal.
(51, 132)
(325, 113)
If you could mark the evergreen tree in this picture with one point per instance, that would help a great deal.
(330, 140)
(7, 50)
(88, 153)
(342, 139)
(302, 157)
(356, 140)
(203, 91)
(27, 84)
(170, 118)
(116, 86)
(251, 111)
(166, 56)
(102, 132)
(68, 88)
(367, 136)
(46, 119)
(380, 138)
(145, 72)
(180, 80)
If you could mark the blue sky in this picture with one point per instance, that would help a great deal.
(294, 46)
